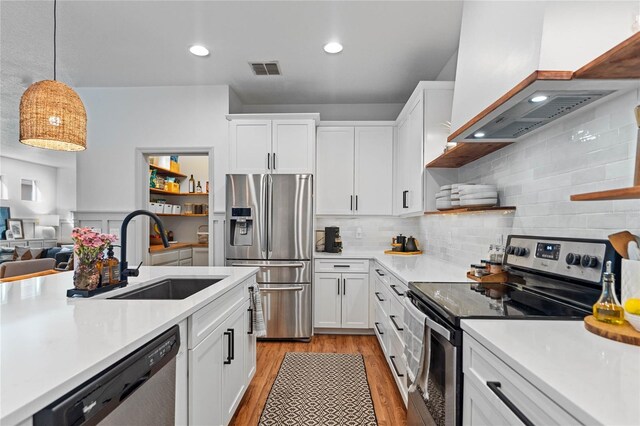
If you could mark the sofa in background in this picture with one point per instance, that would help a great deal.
(25, 267)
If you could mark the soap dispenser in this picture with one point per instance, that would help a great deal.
(607, 308)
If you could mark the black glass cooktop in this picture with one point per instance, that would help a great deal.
(462, 300)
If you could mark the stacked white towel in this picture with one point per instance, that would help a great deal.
(417, 350)
(255, 303)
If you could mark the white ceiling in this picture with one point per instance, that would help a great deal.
(388, 46)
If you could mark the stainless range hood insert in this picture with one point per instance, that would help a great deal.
(517, 114)
(527, 116)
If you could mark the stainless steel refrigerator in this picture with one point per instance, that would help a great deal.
(269, 224)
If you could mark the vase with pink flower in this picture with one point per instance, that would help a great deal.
(89, 247)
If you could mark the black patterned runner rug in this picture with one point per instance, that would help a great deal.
(320, 389)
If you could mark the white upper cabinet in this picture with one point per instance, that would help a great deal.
(293, 146)
(354, 170)
(250, 146)
(504, 42)
(280, 145)
(373, 170)
(422, 135)
(334, 170)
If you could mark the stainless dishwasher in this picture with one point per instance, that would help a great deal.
(137, 390)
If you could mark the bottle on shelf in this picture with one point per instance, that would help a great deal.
(207, 187)
(199, 188)
(170, 235)
(192, 185)
(607, 308)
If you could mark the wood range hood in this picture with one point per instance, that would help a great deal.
(515, 115)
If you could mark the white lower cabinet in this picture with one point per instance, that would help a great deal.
(341, 300)
(495, 394)
(222, 363)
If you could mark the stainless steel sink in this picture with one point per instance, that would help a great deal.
(169, 289)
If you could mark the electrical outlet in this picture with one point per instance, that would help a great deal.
(359, 233)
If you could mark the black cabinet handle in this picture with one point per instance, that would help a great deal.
(392, 358)
(344, 286)
(228, 360)
(399, 293)
(405, 203)
(338, 286)
(376, 324)
(250, 321)
(378, 296)
(269, 161)
(379, 273)
(342, 266)
(356, 203)
(232, 344)
(274, 161)
(351, 206)
(393, 320)
(495, 388)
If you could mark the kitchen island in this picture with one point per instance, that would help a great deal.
(51, 344)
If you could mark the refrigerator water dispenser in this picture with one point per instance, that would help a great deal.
(241, 224)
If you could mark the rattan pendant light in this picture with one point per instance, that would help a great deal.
(52, 115)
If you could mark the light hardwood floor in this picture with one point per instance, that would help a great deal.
(390, 410)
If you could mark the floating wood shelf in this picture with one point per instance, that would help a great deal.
(463, 210)
(631, 193)
(182, 215)
(166, 172)
(465, 153)
(623, 61)
(184, 194)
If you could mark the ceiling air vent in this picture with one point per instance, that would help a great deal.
(265, 68)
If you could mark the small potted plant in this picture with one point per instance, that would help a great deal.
(89, 246)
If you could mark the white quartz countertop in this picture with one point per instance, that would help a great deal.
(595, 379)
(424, 267)
(50, 344)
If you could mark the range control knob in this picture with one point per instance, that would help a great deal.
(589, 261)
(573, 259)
(510, 249)
(521, 251)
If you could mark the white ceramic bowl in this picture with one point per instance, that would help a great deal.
(484, 202)
(634, 320)
(479, 195)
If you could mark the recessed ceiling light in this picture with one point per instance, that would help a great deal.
(333, 47)
(478, 135)
(539, 98)
(199, 50)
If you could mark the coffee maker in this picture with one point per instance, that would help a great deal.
(332, 240)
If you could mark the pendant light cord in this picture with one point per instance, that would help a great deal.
(54, 38)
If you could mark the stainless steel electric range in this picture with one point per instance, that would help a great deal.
(550, 278)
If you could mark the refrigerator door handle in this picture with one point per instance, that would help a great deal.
(263, 224)
(267, 289)
(270, 217)
(271, 265)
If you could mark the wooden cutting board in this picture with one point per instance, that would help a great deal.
(403, 253)
(624, 333)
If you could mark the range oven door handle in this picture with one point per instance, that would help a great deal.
(495, 388)
(434, 326)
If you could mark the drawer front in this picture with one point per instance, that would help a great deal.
(398, 369)
(396, 318)
(381, 296)
(381, 330)
(342, 265)
(382, 274)
(204, 321)
(165, 257)
(185, 262)
(397, 289)
(493, 377)
(186, 254)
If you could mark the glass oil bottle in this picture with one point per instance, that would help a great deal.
(607, 308)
